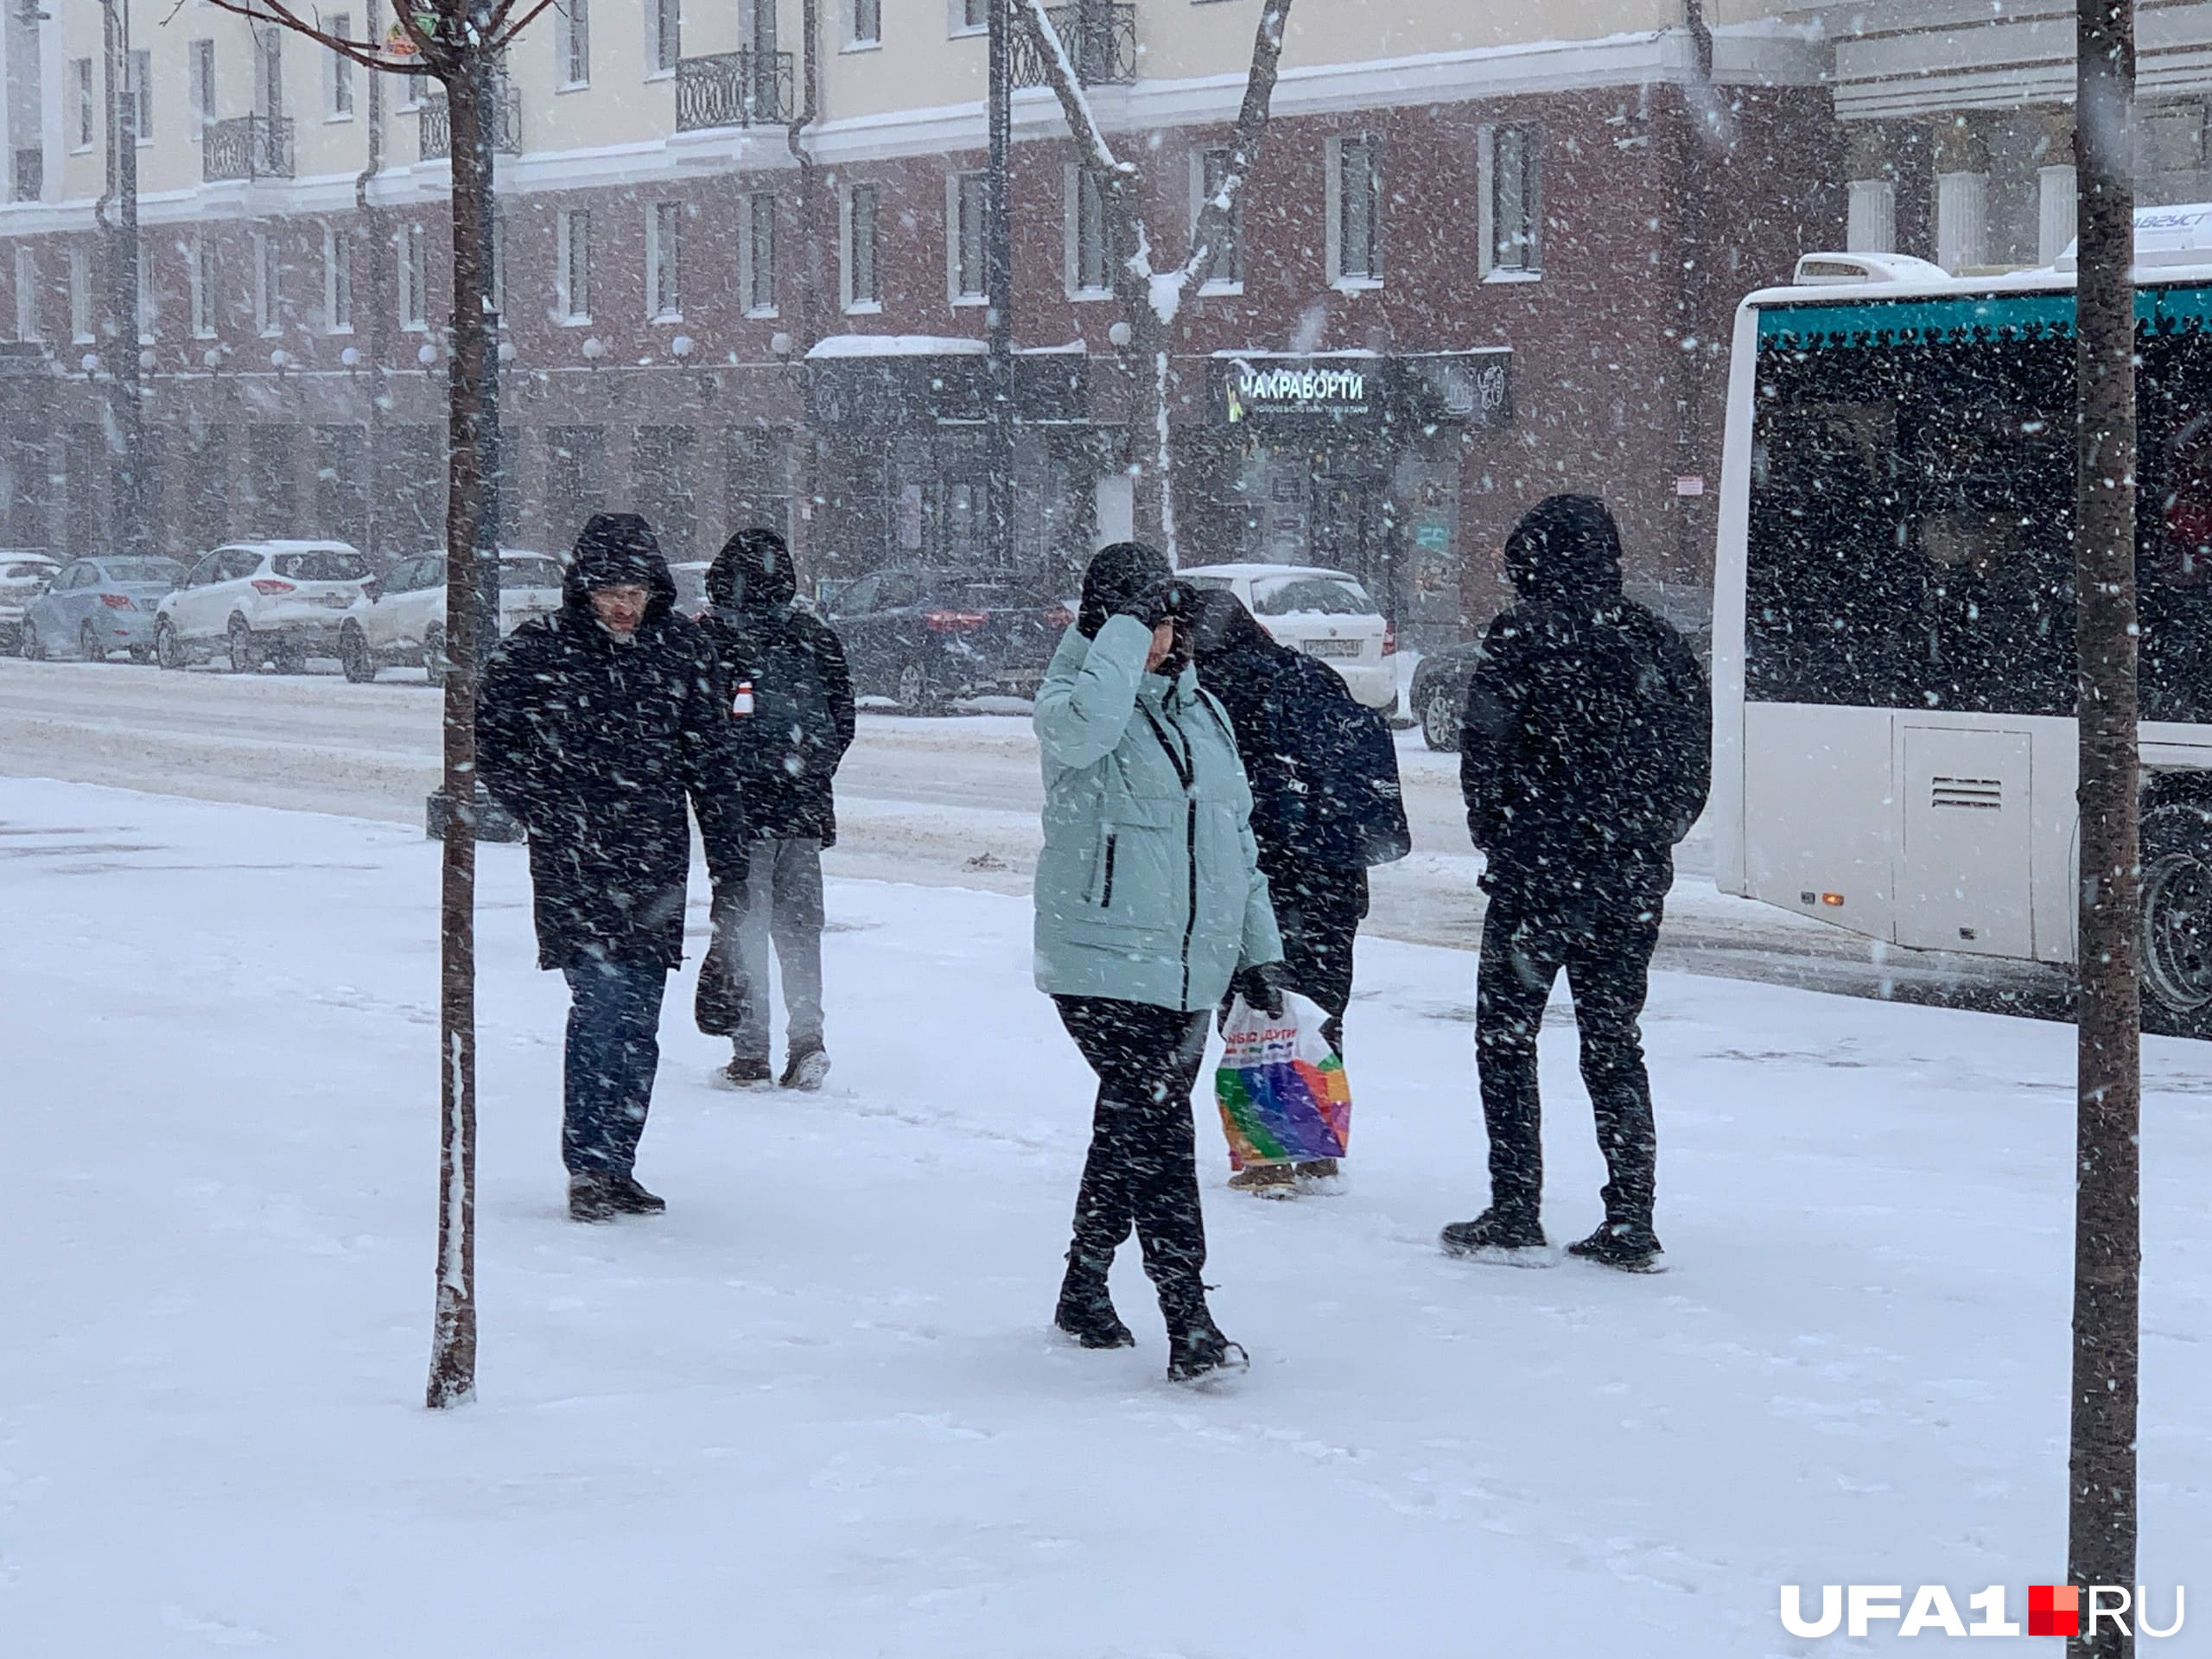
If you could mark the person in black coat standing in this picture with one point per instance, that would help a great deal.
(1325, 807)
(1585, 757)
(791, 702)
(594, 726)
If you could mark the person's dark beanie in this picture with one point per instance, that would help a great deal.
(1120, 575)
(614, 549)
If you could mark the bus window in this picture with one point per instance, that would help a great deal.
(2173, 566)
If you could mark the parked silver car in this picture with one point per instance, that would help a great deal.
(97, 606)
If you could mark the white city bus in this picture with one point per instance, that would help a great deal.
(1893, 653)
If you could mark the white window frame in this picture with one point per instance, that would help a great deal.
(571, 45)
(748, 254)
(338, 72)
(663, 262)
(140, 91)
(1221, 287)
(28, 324)
(572, 309)
(1071, 238)
(267, 69)
(84, 120)
(854, 40)
(495, 284)
(80, 296)
(1346, 281)
(268, 286)
(199, 58)
(148, 308)
(414, 280)
(1486, 263)
(664, 37)
(199, 285)
(854, 304)
(955, 18)
(955, 238)
(337, 281)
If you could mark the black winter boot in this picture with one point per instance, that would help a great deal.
(630, 1200)
(1498, 1234)
(1196, 1349)
(1630, 1246)
(591, 1198)
(1086, 1309)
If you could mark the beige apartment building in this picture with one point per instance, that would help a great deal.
(741, 274)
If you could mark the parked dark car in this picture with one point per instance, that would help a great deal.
(923, 637)
(1438, 696)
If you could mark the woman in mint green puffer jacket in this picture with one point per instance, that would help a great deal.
(1149, 903)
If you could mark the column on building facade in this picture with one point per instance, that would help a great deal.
(2056, 192)
(1961, 196)
(1871, 227)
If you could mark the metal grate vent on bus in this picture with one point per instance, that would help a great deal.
(1968, 794)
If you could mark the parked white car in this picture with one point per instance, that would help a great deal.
(23, 576)
(401, 619)
(1325, 614)
(255, 601)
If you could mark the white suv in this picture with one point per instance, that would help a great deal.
(1325, 614)
(256, 601)
(402, 618)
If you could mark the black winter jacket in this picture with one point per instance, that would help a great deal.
(790, 730)
(594, 745)
(1587, 748)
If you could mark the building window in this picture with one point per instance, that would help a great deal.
(138, 97)
(1512, 202)
(81, 91)
(572, 42)
(80, 297)
(756, 256)
(572, 265)
(338, 85)
(1089, 238)
(1355, 205)
(145, 275)
(337, 280)
(663, 36)
(414, 301)
(199, 284)
(27, 319)
(970, 16)
(203, 83)
(863, 23)
(966, 209)
(268, 284)
(269, 70)
(663, 261)
(1224, 272)
(863, 278)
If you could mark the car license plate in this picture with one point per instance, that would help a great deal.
(1335, 647)
(336, 601)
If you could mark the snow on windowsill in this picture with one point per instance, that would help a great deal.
(1356, 284)
(836, 345)
(1514, 275)
(1221, 290)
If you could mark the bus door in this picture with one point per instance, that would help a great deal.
(1965, 846)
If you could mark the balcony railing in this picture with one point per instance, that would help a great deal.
(435, 132)
(29, 181)
(247, 147)
(1100, 37)
(733, 89)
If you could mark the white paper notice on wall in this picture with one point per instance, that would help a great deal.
(1689, 484)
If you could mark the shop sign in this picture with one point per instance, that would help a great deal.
(1473, 387)
(1265, 388)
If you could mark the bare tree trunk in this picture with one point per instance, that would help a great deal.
(470, 542)
(2108, 1247)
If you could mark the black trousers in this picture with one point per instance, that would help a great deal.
(1605, 948)
(1142, 1171)
(1318, 912)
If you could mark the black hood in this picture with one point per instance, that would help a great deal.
(1119, 575)
(1566, 547)
(753, 574)
(613, 549)
(1222, 632)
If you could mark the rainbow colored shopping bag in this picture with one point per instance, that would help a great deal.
(1281, 1086)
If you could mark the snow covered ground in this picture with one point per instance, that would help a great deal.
(814, 1410)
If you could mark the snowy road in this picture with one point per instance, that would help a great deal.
(814, 1410)
(943, 802)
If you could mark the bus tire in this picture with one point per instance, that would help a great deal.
(2177, 920)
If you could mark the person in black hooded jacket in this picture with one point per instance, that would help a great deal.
(790, 696)
(594, 726)
(1327, 807)
(1585, 757)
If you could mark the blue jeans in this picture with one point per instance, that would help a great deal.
(613, 1051)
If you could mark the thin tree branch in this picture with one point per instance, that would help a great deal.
(502, 35)
(1218, 213)
(368, 55)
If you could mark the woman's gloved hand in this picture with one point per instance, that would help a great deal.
(1262, 986)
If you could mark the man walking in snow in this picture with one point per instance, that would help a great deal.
(595, 726)
(789, 696)
(1586, 756)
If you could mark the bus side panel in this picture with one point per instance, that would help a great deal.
(1820, 810)
(2057, 846)
(1726, 812)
